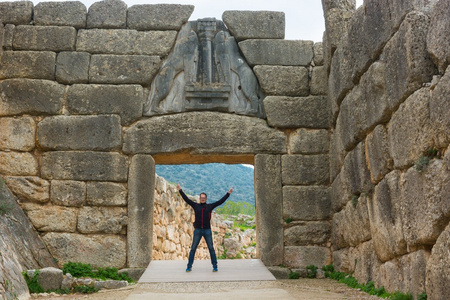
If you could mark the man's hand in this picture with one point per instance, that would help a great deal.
(230, 191)
(178, 187)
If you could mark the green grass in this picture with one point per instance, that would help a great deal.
(33, 285)
(85, 289)
(86, 270)
(294, 275)
(311, 271)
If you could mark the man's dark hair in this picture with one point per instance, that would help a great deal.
(204, 194)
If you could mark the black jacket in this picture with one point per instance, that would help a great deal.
(203, 210)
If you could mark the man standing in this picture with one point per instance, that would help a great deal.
(202, 225)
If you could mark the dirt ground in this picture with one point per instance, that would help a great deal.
(303, 288)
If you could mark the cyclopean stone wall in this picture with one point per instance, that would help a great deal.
(79, 154)
(388, 85)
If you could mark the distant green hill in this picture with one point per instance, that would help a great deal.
(213, 179)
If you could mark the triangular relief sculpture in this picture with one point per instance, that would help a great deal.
(205, 71)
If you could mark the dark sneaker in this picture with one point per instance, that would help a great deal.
(188, 269)
(215, 269)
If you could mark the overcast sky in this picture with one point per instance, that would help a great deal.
(304, 18)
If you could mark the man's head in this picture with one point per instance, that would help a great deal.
(203, 198)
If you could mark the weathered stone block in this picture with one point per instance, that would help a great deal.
(50, 278)
(17, 13)
(279, 272)
(18, 164)
(355, 173)
(410, 131)
(68, 193)
(307, 233)
(8, 35)
(269, 210)
(439, 108)
(192, 132)
(408, 63)
(377, 153)
(309, 141)
(80, 132)
(277, 52)
(310, 112)
(351, 226)
(102, 219)
(17, 134)
(303, 256)
(52, 218)
(319, 83)
(306, 203)
(140, 210)
(27, 64)
(282, 80)
(340, 193)
(28, 96)
(106, 194)
(438, 273)
(305, 169)
(97, 166)
(44, 38)
(97, 250)
(318, 55)
(122, 41)
(158, 16)
(107, 14)
(437, 42)
(255, 24)
(72, 67)
(367, 264)
(67, 13)
(125, 100)
(29, 188)
(123, 69)
(337, 155)
(385, 218)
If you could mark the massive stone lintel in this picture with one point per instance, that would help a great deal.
(205, 71)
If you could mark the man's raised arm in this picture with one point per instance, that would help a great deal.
(183, 195)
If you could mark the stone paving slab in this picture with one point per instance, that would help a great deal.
(229, 270)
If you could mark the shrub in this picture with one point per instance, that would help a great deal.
(400, 296)
(422, 296)
(33, 284)
(311, 271)
(294, 275)
(78, 269)
(85, 289)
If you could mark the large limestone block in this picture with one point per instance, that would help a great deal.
(377, 153)
(309, 141)
(27, 64)
(8, 35)
(123, 69)
(438, 272)
(17, 134)
(255, 24)
(410, 132)
(141, 192)
(44, 38)
(50, 278)
(340, 193)
(52, 218)
(72, 67)
(80, 133)
(288, 112)
(107, 14)
(124, 100)
(351, 226)
(439, 108)
(68, 193)
(319, 83)
(277, 52)
(406, 274)
(408, 64)
(306, 203)
(158, 16)
(438, 43)
(29, 96)
(97, 250)
(17, 12)
(203, 133)
(386, 218)
(122, 41)
(337, 154)
(67, 13)
(318, 56)
(106, 194)
(283, 80)
(307, 233)
(426, 207)
(96, 166)
(305, 169)
(269, 209)
(18, 164)
(303, 256)
(29, 188)
(101, 219)
(355, 172)
(363, 263)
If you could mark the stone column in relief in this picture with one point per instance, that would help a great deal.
(141, 185)
(269, 209)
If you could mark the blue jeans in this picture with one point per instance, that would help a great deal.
(198, 234)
